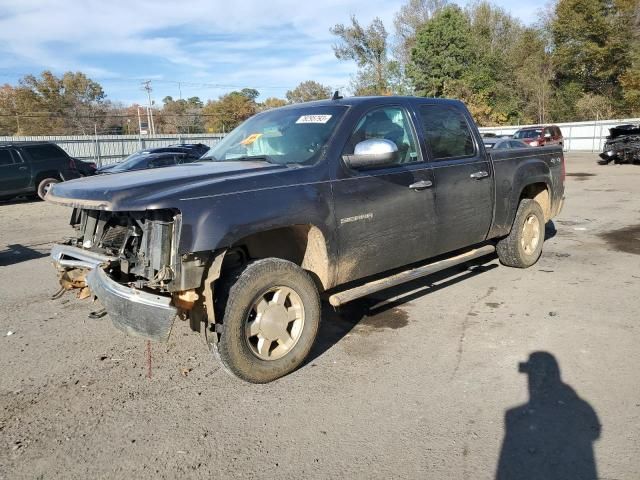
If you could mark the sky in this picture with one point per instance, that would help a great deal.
(189, 48)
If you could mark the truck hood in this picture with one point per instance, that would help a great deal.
(151, 189)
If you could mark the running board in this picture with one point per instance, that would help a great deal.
(346, 296)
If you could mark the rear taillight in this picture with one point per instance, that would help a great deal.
(72, 164)
(93, 165)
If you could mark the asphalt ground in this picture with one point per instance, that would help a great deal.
(474, 373)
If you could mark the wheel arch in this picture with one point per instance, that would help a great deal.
(303, 244)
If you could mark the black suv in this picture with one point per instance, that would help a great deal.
(32, 167)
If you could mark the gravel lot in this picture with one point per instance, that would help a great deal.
(414, 383)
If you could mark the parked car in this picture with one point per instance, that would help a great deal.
(188, 152)
(144, 160)
(540, 136)
(501, 143)
(199, 149)
(85, 168)
(342, 197)
(31, 168)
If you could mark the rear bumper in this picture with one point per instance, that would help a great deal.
(133, 311)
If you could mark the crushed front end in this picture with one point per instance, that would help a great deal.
(129, 261)
(622, 145)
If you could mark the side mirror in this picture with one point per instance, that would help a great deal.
(372, 153)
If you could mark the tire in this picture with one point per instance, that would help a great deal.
(45, 185)
(518, 249)
(280, 290)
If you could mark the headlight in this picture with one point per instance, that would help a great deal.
(534, 143)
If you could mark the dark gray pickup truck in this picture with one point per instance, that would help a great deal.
(338, 198)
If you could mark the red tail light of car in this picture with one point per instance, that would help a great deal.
(72, 164)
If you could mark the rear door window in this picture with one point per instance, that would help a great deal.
(44, 152)
(447, 132)
(5, 158)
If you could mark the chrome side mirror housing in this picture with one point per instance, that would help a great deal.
(372, 153)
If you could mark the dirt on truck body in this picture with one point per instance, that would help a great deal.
(339, 198)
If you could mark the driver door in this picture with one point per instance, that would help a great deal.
(384, 214)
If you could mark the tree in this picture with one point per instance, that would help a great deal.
(586, 48)
(368, 48)
(181, 116)
(229, 111)
(272, 102)
(443, 52)
(308, 91)
(411, 17)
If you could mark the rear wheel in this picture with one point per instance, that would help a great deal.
(45, 185)
(523, 246)
(270, 320)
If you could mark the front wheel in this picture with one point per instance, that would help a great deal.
(523, 246)
(270, 321)
(45, 185)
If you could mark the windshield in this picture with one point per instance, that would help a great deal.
(136, 160)
(131, 161)
(533, 133)
(283, 136)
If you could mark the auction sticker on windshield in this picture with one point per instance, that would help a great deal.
(314, 119)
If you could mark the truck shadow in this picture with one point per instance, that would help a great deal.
(17, 253)
(18, 200)
(381, 309)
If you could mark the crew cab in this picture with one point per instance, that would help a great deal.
(28, 168)
(337, 198)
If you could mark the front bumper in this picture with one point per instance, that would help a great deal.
(133, 311)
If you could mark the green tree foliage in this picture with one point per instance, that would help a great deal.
(308, 91)
(408, 20)
(443, 52)
(230, 110)
(586, 50)
(368, 47)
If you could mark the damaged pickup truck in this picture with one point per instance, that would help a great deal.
(338, 198)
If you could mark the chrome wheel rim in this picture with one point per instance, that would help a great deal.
(530, 234)
(274, 323)
(47, 187)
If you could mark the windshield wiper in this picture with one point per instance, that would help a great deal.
(248, 158)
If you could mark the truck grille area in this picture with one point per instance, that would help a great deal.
(143, 242)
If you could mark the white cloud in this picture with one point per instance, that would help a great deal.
(254, 43)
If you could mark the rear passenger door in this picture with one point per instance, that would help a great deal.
(14, 173)
(463, 177)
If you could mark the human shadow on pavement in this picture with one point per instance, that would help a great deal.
(338, 322)
(551, 436)
(17, 253)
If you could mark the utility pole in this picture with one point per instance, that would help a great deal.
(146, 85)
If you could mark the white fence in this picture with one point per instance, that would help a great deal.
(106, 149)
(586, 136)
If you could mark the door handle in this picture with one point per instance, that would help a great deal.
(22, 168)
(421, 185)
(479, 175)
